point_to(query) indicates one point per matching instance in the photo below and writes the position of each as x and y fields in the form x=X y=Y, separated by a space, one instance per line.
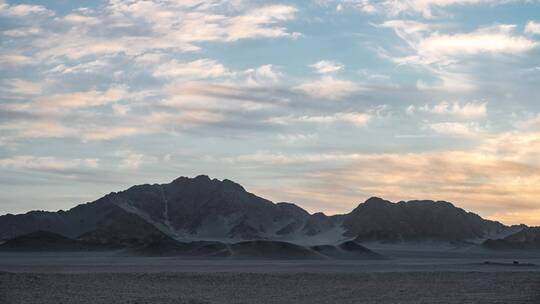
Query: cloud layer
x=322 y=103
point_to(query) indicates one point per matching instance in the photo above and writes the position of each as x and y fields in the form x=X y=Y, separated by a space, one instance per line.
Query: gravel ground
x=222 y=288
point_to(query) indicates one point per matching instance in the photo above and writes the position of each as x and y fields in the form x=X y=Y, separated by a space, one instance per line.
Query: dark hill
x=527 y=238
x=346 y=250
x=44 y=241
x=381 y=220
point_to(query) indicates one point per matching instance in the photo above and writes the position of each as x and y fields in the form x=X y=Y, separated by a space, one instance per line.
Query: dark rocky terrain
x=378 y=219
x=45 y=241
x=210 y=217
x=528 y=239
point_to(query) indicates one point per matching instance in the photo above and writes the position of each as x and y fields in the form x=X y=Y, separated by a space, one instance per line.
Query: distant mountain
x=527 y=238
x=208 y=215
x=44 y=241
x=378 y=219
x=187 y=209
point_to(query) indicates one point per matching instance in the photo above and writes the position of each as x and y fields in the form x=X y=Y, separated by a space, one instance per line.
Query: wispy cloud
x=326 y=66
x=456 y=129
x=198 y=69
x=328 y=87
x=354 y=118
x=430 y=46
x=533 y=28
x=445 y=55
x=338 y=99
x=425 y=8
x=468 y=110
x=170 y=25
x=22 y=10
x=48 y=164
x=130 y=159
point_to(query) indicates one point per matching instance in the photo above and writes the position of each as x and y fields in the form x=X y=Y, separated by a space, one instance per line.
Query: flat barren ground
x=192 y=288
x=57 y=279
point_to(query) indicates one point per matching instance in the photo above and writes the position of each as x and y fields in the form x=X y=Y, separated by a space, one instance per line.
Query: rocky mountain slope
x=378 y=219
x=526 y=238
x=202 y=209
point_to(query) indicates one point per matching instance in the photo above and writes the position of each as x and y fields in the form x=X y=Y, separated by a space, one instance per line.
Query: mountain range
x=193 y=216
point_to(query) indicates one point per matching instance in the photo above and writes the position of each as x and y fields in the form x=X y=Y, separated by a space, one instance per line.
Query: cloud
x=127 y=28
x=447 y=57
x=120 y=109
x=41 y=128
x=326 y=67
x=100 y=133
x=492 y=40
x=23 y=31
x=102 y=115
x=24 y=87
x=408 y=7
x=91 y=66
x=198 y=69
x=365 y=6
x=446 y=79
x=515 y=146
x=130 y=160
x=77 y=19
x=408 y=30
x=425 y=6
x=496 y=185
x=293 y=139
x=229 y=96
x=530 y=122
x=84 y=99
x=258 y=23
x=329 y=87
x=455 y=129
x=47 y=164
x=149 y=58
x=532 y=28
x=84 y=130
x=469 y=110
x=182 y=120
x=178 y=26
x=355 y=118
x=205 y=69
x=22 y=10
x=175 y=71
x=268 y=158
x=263 y=75
x=433 y=47
x=13 y=60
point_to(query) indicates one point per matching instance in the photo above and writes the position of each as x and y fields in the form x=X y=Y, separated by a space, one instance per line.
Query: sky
x=323 y=103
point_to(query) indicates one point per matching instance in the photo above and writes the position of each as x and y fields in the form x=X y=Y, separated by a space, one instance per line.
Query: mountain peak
x=229 y=183
x=205 y=179
x=198 y=178
x=375 y=200
x=428 y=203
x=202 y=177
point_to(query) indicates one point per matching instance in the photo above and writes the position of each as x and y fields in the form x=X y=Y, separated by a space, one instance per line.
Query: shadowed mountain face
x=377 y=219
x=44 y=241
x=196 y=209
x=527 y=238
